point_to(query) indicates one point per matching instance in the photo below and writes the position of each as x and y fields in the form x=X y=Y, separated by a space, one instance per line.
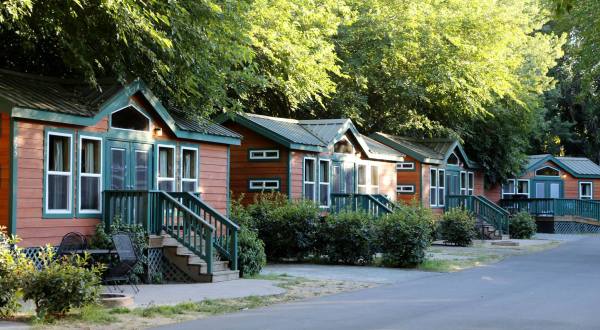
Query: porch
x=199 y=240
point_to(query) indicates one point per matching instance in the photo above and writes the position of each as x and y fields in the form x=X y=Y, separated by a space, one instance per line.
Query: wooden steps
x=188 y=262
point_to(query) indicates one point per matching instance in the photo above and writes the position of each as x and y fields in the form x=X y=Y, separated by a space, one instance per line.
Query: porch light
x=564 y=176
x=158 y=131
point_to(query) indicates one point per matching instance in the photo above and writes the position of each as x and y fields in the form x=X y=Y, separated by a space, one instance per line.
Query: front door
x=338 y=178
x=548 y=189
x=129 y=166
x=453 y=183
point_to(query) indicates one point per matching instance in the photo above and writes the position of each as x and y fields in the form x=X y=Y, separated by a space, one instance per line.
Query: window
x=166 y=168
x=270 y=184
x=453 y=159
x=405 y=189
x=522 y=187
x=130 y=118
x=463 y=183
x=189 y=169
x=343 y=147
x=264 y=154
x=406 y=166
x=437 y=187
x=585 y=190
x=374 y=180
x=471 y=184
x=324 y=182
x=362 y=179
x=90 y=174
x=310 y=179
x=59 y=172
x=508 y=188
x=547 y=171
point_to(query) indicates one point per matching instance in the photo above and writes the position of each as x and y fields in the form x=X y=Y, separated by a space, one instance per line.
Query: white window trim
x=304 y=182
x=328 y=184
x=405 y=188
x=470 y=183
x=196 y=172
x=528 y=187
x=441 y=172
x=93 y=175
x=371 y=185
x=158 y=177
x=256 y=154
x=405 y=166
x=69 y=174
x=433 y=172
x=437 y=188
x=262 y=183
x=127 y=129
x=463 y=183
x=367 y=184
x=591 y=196
x=514 y=190
x=547 y=176
x=457 y=159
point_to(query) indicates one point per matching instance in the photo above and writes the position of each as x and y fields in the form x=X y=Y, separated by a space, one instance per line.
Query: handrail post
x=106 y=212
x=208 y=237
x=234 y=249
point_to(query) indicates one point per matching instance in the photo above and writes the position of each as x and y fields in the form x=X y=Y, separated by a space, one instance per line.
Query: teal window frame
x=66 y=213
x=81 y=213
x=131 y=105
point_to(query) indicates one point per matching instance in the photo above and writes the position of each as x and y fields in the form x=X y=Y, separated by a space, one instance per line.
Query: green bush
x=139 y=236
x=14 y=266
x=62 y=284
x=346 y=237
x=404 y=236
x=522 y=226
x=457 y=227
x=251 y=252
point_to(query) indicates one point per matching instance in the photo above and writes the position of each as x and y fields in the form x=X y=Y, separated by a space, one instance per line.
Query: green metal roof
x=431 y=151
x=41 y=97
x=581 y=167
x=315 y=135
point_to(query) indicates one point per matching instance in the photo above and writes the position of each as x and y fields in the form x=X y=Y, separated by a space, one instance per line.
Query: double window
x=264 y=154
x=310 y=176
x=90 y=178
x=261 y=185
x=166 y=168
x=405 y=189
x=324 y=182
x=467 y=183
x=405 y=166
x=367 y=179
x=585 y=190
x=59 y=172
x=189 y=169
x=515 y=187
x=437 y=187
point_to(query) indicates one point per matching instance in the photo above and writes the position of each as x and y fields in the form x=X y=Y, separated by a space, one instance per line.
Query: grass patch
x=445 y=266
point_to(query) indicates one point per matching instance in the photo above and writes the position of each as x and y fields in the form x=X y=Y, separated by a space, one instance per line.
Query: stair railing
x=482 y=208
x=589 y=209
x=225 y=236
x=356 y=202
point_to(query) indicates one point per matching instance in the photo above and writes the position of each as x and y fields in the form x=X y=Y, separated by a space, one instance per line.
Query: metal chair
x=128 y=259
x=72 y=242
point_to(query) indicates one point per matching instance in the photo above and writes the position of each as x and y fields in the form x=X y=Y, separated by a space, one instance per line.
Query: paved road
x=555 y=289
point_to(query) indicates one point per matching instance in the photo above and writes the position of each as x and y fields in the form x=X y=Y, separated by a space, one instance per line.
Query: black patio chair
x=71 y=243
x=122 y=270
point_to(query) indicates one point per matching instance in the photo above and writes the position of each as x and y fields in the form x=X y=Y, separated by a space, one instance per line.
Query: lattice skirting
x=570 y=227
x=159 y=268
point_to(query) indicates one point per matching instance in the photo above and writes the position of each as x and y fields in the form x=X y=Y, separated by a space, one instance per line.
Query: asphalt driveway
x=555 y=289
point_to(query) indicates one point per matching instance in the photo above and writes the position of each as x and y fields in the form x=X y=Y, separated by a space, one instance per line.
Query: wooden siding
x=36 y=230
x=296 y=165
x=5 y=145
x=410 y=177
x=243 y=169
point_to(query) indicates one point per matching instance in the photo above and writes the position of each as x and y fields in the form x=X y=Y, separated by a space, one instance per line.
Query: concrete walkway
x=171 y=294
x=552 y=290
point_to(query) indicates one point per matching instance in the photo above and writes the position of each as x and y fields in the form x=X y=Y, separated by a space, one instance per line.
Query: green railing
x=554 y=207
x=156 y=211
x=482 y=208
x=225 y=238
x=385 y=201
x=356 y=202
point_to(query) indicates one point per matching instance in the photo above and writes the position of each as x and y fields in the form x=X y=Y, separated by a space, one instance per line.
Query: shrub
x=522 y=226
x=62 y=284
x=251 y=252
x=14 y=265
x=458 y=227
x=139 y=236
x=346 y=237
x=404 y=236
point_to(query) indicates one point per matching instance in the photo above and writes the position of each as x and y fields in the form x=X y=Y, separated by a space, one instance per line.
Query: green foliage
x=522 y=226
x=14 y=266
x=62 y=284
x=346 y=237
x=404 y=236
x=458 y=227
x=252 y=257
x=139 y=236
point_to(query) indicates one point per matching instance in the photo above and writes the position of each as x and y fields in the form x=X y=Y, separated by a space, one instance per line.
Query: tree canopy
x=473 y=69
